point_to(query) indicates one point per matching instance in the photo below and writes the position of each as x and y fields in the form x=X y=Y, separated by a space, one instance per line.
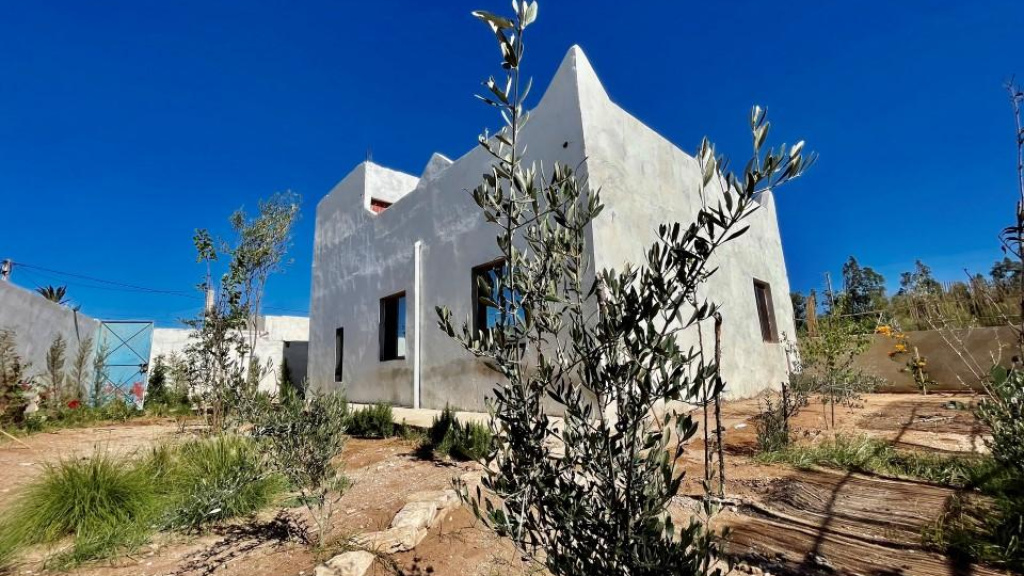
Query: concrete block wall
x=36 y=323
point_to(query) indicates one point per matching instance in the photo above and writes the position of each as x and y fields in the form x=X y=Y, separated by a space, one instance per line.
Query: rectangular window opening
x=486 y=284
x=339 y=353
x=765 y=311
x=392 y=327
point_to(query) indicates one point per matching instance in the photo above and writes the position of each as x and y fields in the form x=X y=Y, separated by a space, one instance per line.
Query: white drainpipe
x=418 y=291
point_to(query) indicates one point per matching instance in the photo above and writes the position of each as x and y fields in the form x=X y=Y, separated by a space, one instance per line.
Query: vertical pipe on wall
x=418 y=292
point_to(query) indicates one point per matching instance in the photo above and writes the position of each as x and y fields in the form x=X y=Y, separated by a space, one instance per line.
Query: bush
x=441 y=425
x=772 y=425
x=1003 y=412
x=215 y=479
x=376 y=421
x=448 y=436
x=302 y=441
x=102 y=504
x=12 y=379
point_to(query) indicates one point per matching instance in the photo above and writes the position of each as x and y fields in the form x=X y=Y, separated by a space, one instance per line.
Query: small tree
x=12 y=380
x=828 y=362
x=223 y=370
x=78 y=378
x=156 y=389
x=56 y=366
x=592 y=496
x=100 y=375
x=302 y=440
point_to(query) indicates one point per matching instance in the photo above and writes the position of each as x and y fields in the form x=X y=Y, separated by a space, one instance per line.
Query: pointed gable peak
x=575 y=76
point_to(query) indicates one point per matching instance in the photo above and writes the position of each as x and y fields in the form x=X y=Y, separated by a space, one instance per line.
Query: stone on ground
x=354 y=563
x=392 y=540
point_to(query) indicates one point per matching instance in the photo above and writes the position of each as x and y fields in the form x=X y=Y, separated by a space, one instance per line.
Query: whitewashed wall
x=270 y=345
x=361 y=257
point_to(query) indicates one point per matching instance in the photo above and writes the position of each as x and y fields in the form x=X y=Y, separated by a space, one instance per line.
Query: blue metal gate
x=126 y=344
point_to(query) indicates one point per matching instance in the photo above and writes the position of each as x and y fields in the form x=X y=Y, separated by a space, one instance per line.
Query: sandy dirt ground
x=783 y=520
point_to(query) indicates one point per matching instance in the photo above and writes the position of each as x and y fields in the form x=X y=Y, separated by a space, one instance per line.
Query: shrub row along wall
x=944 y=366
x=36 y=322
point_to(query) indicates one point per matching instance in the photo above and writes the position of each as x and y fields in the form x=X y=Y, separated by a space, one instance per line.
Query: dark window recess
x=379 y=206
x=392 y=327
x=765 y=311
x=339 y=353
x=486 y=285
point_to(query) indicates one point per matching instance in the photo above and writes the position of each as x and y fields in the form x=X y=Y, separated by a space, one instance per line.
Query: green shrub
x=988 y=530
x=772 y=426
x=448 y=436
x=302 y=440
x=375 y=421
x=103 y=504
x=871 y=455
x=472 y=441
x=992 y=530
x=215 y=479
x=1003 y=412
x=441 y=425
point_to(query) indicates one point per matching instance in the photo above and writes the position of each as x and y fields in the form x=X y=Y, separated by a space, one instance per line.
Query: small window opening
x=379 y=206
x=392 y=327
x=339 y=353
x=765 y=311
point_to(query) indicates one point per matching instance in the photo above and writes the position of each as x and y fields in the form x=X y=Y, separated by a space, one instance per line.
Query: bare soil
x=783 y=520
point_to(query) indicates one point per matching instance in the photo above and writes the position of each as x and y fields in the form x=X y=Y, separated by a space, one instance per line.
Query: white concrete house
x=389 y=247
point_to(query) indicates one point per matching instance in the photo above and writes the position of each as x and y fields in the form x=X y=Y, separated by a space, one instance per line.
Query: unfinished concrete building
x=390 y=246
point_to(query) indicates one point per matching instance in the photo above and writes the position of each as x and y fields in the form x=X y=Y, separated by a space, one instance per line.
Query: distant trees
x=920 y=300
x=864 y=289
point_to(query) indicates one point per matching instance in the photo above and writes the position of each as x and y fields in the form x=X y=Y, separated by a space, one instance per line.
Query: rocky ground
x=781 y=520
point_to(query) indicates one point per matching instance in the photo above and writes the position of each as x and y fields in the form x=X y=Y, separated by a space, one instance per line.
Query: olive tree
x=599 y=347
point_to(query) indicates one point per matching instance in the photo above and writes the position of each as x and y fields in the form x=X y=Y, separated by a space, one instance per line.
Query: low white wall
x=270 y=345
x=36 y=323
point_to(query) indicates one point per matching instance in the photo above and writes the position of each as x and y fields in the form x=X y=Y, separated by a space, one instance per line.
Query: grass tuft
x=215 y=479
x=106 y=505
x=874 y=456
x=102 y=504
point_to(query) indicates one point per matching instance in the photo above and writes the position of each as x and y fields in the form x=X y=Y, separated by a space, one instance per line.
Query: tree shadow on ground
x=237 y=540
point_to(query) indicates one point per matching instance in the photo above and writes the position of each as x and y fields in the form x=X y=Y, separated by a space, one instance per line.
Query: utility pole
x=831 y=294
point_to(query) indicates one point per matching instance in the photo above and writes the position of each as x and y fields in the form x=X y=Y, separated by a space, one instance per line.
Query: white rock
x=416 y=515
x=393 y=539
x=445 y=499
x=354 y=563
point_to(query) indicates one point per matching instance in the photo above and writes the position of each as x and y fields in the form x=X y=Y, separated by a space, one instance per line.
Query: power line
x=109 y=282
x=115 y=285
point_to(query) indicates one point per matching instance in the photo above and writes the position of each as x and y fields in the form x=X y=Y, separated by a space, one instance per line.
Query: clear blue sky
x=125 y=124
